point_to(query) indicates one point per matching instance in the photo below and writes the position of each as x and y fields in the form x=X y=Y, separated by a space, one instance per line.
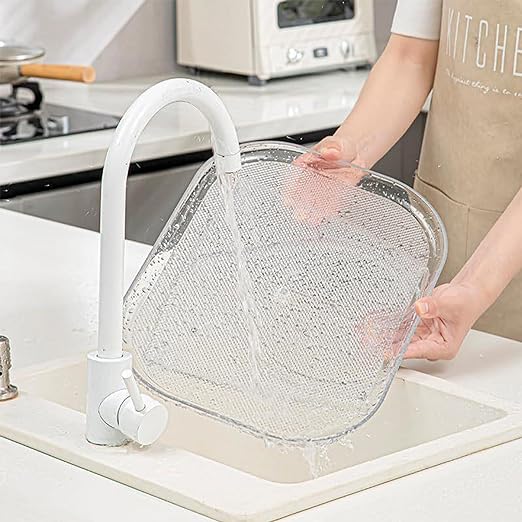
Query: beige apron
x=471 y=162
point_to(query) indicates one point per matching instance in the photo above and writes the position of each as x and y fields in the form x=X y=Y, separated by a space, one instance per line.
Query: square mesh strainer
x=335 y=260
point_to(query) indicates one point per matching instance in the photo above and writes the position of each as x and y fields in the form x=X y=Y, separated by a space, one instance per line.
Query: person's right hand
x=446 y=318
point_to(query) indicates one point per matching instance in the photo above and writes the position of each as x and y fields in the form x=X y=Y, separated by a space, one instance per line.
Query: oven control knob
x=346 y=48
x=294 y=55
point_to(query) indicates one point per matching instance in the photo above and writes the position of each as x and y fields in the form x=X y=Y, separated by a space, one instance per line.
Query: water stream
x=315 y=455
x=227 y=183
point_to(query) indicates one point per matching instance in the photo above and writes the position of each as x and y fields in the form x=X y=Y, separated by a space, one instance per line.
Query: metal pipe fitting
x=7 y=390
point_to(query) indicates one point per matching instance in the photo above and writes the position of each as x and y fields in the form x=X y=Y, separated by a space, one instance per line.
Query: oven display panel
x=294 y=13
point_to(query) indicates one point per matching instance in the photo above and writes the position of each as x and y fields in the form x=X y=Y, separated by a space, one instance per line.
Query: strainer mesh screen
x=334 y=270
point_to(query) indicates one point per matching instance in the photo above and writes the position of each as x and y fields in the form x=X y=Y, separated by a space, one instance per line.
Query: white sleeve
x=418 y=18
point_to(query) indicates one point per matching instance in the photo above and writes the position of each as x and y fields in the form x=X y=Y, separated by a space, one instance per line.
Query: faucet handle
x=132 y=388
x=139 y=417
x=145 y=426
x=7 y=390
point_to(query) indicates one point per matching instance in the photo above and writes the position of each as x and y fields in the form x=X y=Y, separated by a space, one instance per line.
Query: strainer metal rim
x=429 y=285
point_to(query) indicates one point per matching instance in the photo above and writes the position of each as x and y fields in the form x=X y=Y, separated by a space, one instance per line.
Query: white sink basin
x=216 y=470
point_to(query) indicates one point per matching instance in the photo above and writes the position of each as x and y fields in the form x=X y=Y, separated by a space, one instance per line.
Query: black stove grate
x=23 y=119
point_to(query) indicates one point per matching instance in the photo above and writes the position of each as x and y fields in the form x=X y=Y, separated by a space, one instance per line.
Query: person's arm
x=391 y=99
x=498 y=259
x=449 y=314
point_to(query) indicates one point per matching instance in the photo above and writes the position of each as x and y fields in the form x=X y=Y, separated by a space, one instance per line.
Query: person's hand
x=317 y=190
x=334 y=149
x=446 y=318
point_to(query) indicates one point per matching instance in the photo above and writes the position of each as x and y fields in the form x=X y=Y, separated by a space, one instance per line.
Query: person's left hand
x=446 y=318
x=318 y=187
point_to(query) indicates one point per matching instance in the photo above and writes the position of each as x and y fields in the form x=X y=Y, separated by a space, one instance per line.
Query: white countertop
x=49 y=274
x=282 y=107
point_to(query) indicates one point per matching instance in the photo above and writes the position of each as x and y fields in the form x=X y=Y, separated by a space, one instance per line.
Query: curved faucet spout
x=114 y=180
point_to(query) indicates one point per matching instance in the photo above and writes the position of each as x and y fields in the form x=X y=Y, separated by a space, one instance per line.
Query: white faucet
x=116 y=410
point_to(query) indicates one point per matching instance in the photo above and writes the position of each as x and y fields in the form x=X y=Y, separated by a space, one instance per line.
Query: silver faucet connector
x=7 y=390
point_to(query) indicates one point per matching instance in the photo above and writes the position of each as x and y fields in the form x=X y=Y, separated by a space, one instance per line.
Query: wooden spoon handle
x=73 y=73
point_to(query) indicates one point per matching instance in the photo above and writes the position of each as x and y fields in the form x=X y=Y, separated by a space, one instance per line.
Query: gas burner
x=11 y=108
x=17 y=104
x=25 y=119
x=23 y=127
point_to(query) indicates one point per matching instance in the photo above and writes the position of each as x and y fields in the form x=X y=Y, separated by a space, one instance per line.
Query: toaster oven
x=264 y=39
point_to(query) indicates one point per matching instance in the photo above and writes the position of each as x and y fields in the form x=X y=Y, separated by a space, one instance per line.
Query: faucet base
x=104 y=379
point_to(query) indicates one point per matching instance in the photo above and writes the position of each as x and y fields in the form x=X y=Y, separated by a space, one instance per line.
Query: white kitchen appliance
x=265 y=39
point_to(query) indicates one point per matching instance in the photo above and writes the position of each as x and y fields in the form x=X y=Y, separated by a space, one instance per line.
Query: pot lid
x=11 y=53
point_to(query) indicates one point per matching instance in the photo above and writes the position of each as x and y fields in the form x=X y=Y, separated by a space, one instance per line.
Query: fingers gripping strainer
x=335 y=260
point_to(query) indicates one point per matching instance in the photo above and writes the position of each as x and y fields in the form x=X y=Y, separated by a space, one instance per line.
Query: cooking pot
x=16 y=64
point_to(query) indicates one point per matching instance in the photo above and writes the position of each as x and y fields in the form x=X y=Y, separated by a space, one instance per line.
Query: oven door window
x=294 y=13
